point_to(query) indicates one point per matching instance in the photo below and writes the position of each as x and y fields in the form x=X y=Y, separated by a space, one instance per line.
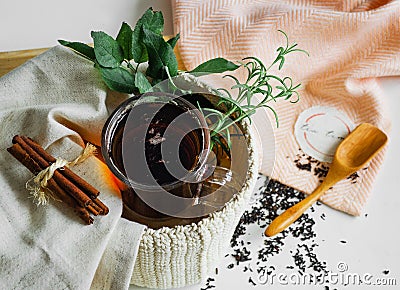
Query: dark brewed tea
x=136 y=149
x=138 y=140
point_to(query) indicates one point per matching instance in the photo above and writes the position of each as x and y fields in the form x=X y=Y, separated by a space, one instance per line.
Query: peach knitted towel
x=351 y=43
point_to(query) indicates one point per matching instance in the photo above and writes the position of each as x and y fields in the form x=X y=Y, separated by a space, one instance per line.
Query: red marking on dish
x=315 y=115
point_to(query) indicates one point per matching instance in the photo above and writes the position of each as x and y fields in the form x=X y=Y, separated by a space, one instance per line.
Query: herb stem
x=171 y=81
x=258 y=82
x=130 y=66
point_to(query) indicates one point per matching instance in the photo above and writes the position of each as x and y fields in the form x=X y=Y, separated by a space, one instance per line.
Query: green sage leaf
x=153 y=21
x=215 y=65
x=81 y=48
x=142 y=83
x=161 y=55
x=172 y=41
x=118 y=79
x=125 y=40
x=107 y=50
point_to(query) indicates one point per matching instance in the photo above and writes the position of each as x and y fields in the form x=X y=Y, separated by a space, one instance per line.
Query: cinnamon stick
x=22 y=156
x=68 y=186
x=68 y=173
x=82 y=212
x=102 y=206
x=84 y=215
x=94 y=209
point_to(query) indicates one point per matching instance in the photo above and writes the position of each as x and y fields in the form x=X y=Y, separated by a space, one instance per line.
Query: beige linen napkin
x=350 y=43
x=58 y=99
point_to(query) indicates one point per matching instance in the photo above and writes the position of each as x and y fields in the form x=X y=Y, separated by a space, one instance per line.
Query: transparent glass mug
x=214 y=191
x=129 y=136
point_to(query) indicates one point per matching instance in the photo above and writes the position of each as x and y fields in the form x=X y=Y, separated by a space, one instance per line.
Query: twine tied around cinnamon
x=37 y=184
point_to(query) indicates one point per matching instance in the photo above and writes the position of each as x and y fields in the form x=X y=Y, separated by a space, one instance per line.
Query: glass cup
x=132 y=140
x=157 y=145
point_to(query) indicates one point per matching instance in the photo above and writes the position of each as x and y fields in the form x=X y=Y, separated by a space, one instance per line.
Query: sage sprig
x=118 y=60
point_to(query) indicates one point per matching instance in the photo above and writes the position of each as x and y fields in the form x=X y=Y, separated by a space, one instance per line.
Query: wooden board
x=12 y=59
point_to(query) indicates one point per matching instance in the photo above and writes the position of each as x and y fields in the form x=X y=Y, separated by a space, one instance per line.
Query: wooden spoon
x=359 y=147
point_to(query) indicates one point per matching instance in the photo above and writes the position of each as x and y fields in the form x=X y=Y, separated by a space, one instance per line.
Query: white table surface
x=373 y=242
x=39 y=23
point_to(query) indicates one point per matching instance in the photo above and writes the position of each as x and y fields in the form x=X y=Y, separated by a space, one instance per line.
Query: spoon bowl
x=357 y=149
x=360 y=146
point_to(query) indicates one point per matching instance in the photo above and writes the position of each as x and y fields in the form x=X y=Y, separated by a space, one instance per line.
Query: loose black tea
x=270 y=200
x=320 y=169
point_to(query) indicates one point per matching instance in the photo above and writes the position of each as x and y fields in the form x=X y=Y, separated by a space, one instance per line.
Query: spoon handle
x=288 y=217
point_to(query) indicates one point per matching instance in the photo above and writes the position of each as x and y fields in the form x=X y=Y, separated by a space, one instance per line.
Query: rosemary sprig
x=257 y=82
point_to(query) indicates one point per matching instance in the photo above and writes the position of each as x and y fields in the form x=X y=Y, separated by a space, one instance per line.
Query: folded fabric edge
x=116 y=265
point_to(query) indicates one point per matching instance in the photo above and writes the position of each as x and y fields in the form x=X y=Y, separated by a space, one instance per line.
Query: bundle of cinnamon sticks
x=65 y=185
